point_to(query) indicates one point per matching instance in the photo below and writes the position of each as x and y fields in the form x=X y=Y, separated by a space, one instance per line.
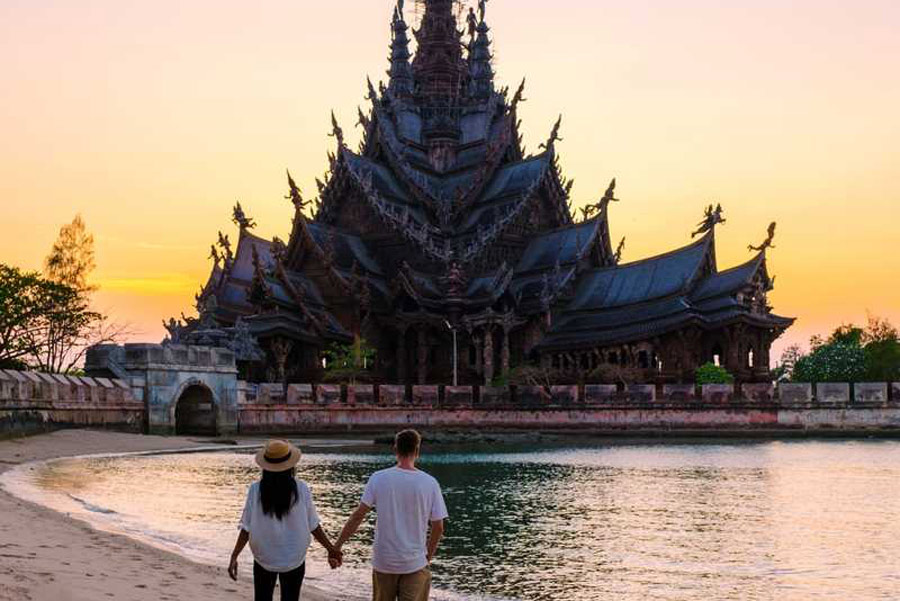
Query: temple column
x=401 y=356
x=504 y=353
x=488 y=356
x=479 y=354
x=422 y=355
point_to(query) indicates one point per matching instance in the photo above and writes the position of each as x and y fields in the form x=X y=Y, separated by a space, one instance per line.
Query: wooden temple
x=440 y=224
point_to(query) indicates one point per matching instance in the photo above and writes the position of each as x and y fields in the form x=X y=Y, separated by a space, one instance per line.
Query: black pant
x=264 y=583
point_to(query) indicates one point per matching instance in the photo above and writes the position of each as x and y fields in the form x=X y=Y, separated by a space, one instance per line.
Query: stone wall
x=35 y=402
x=307 y=408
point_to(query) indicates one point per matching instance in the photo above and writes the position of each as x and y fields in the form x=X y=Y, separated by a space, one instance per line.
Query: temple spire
x=401 y=76
x=481 y=74
x=438 y=67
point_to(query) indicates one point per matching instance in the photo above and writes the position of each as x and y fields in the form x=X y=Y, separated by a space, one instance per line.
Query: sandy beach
x=46 y=556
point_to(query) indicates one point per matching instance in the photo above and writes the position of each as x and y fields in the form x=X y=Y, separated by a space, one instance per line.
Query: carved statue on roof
x=175 y=329
x=455 y=280
x=214 y=255
x=225 y=245
x=554 y=136
x=295 y=196
x=767 y=243
x=244 y=344
x=518 y=97
x=712 y=216
x=472 y=22
x=336 y=131
x=602 y=205
x=618 y=256
x=240 y=218
x=364 y=120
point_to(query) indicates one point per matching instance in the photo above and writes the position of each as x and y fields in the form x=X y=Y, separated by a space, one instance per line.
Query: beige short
x=405 y=587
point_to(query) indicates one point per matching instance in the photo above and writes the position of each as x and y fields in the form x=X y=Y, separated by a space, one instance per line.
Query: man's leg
x=291 y=583
x=384 y=586
x=263 y=583
x=415 y=586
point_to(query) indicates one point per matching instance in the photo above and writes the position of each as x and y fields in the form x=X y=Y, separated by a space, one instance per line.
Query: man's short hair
x=407 y=443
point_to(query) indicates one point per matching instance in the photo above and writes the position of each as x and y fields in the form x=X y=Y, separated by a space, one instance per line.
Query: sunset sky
x=151 y=118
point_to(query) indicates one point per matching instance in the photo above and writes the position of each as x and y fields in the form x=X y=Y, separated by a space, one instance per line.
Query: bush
x=832 y=362
x=711 y=373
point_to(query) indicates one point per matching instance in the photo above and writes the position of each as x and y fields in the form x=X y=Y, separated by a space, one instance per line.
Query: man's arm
x=437 y=532
x=352 y=525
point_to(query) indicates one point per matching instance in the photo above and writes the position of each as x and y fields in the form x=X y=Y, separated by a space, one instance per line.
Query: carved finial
x=373 y=95
x=712 y=216
x=363 y=119
x=336 y=131
x=767 y=243
x=602 y=206
x=472 y=22
x=618 y=256
x=554 y=136
x=240 y=218
x=295 y=196
x=518 y=97
x=225 y=245
x=214 y=255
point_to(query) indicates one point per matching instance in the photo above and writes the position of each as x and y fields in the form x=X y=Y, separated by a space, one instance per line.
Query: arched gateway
x=195 y=411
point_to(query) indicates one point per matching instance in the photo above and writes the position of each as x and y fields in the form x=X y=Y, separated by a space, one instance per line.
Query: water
x=757 y=521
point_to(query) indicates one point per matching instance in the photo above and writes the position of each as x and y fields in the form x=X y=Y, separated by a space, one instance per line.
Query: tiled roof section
x=641 y=281
x=564 y=245
x=515 y=178
x=348 y=249
x=728 y=281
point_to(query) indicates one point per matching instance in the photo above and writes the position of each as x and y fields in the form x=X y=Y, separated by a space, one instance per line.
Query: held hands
x=335 y=558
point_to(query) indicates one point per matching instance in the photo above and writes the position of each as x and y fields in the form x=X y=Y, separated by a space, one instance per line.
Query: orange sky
x=152 y=118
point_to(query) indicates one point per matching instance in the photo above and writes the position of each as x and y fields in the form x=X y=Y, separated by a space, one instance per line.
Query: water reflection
x=810 y=520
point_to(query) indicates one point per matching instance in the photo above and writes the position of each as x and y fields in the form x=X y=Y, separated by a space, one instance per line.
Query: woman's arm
x=239 y=545
x=335 y=557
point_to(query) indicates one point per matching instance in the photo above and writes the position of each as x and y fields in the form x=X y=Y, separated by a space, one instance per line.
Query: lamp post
x=455 y=353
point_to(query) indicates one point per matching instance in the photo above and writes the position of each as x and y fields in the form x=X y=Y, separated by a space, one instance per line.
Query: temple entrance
x=195 y=412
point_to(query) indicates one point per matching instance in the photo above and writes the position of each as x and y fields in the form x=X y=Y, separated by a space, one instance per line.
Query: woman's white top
x=280 y=545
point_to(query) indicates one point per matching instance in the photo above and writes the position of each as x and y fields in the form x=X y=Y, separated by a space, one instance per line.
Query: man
x=406 y=501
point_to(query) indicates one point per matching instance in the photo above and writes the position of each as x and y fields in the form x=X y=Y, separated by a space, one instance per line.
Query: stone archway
x=195 y=411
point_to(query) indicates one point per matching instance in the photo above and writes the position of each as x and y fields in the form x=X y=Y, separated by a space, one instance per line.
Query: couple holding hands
x=280 y=521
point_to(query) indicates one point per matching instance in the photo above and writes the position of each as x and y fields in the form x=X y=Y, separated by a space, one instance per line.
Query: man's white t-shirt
x=405 y=501
x=280 y=545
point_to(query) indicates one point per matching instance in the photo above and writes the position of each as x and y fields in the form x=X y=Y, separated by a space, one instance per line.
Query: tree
x=26 y=301
x=882 y=348
x=71 y=260
x=785 y=370
x=832 y=362
x=710 y=373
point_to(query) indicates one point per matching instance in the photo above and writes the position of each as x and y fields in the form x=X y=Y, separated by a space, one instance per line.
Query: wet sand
x=46 y=556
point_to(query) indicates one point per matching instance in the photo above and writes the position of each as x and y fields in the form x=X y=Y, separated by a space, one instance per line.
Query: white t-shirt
x=405 y=501
x=280 y=545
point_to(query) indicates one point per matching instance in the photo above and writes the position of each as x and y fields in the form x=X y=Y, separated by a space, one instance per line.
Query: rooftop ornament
x=767 y=243
x=240 y=218
x=711 y=218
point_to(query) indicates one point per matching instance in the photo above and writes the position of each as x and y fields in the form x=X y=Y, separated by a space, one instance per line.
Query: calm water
x=762 y=521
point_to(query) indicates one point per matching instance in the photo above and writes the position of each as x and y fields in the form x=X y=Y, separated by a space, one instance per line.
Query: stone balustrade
x=593 y=395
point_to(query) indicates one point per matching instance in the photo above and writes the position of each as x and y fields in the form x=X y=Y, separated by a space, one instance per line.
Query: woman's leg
x=263 y=583
x=291 y=583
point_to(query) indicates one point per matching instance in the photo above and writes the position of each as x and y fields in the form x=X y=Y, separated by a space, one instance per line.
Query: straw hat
x=278 y=456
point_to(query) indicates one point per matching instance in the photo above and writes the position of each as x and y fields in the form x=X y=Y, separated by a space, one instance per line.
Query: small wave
x=90 y=506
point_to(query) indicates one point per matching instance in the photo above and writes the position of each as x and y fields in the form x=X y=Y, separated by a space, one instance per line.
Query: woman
x=279 y=516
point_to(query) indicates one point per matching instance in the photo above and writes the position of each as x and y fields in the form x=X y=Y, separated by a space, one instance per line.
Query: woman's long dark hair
x=278 y=492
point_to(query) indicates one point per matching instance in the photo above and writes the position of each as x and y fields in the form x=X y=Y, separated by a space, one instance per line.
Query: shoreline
x=46 y=555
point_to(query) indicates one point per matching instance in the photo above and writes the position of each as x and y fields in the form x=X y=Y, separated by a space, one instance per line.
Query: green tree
x=34 y=313
x=785 y=370
x=832 y=362
x=882 y=349
x=710 y=373
x=71 y=260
